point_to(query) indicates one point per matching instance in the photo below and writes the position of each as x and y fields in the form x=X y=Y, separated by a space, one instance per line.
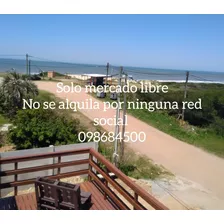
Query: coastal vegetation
x=203 y=128
x=135 y=165
x=33 y=127
x=208 y=121
x=40 y=128
x=14 y=89
x=3 y=120
x=212 y=113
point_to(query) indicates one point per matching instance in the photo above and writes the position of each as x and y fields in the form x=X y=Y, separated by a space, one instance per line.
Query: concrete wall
x=41 y=162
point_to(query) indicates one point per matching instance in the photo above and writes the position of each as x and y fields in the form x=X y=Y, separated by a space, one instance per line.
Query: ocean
x=137 y=73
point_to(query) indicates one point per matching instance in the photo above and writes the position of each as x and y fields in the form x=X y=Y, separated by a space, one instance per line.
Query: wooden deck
x=28 y=201
x=98 y=172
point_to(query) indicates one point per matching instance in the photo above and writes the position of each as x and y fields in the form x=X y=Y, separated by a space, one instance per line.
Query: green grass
x=203 y=138
x=133 y=165
x=45 y=96
x=200 y=137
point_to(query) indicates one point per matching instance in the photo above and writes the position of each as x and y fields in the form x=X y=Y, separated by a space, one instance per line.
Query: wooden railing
x=138 y=191
x=111 y=187
x=15 y=172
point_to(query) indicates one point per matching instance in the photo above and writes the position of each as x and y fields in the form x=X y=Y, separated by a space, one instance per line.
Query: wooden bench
x=55 y=195
x=71 y=197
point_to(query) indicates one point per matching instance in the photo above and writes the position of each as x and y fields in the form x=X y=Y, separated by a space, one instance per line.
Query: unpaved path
x=179 y=157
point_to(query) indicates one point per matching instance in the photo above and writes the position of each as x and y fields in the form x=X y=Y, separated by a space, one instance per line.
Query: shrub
x=212 y=113
x=33 y=77
x=218 y=126
x=41 y=128
x=14 y=89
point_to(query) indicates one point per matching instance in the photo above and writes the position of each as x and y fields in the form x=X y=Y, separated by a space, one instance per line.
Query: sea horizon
x=137 y=73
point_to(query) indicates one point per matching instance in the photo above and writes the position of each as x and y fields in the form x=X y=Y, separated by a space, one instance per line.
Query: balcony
x=111 y=189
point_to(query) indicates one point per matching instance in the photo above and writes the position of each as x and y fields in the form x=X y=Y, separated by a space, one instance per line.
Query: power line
x=167 y=74
x=12 y=63
x=59 y=62
x=150 y=73
x=56 y=66
x=202 y=79
x=116 y=68
x=15 y=55
x=69 y=63
x=40 y=66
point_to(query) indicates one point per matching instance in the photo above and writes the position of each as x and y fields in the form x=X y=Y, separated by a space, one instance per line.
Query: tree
x=14 y=89
x=35 y=128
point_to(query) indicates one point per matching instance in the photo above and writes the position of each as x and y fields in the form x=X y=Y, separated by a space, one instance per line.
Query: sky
x=193 y=42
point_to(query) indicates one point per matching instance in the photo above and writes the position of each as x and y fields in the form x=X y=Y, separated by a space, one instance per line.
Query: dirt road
x=179 y=157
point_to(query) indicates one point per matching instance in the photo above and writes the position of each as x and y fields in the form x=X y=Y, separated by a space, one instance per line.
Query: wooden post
x=90 y=167
x=27 y=64
x=59 y=168
x=16 y=179
x=136 y=198
x=124 y=117
x=107 y=72
x=0 y=180
x=115 y=154
x=106 y=184
x=29 y=67
x=185 y=93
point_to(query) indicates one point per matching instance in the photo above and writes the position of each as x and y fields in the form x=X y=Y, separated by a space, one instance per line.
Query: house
x=51 y=74
x=98 y=79
x=92 y=79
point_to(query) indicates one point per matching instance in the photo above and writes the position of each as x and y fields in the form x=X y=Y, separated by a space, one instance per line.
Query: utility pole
x=107 y=71
x=124 y=116
x=27 y=64
x=185 y=93
x=115 y=154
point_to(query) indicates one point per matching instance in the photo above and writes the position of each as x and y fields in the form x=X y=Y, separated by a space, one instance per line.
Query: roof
x=96 y=75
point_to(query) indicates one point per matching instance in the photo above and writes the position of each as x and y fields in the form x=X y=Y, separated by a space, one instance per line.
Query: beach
x=136 y=73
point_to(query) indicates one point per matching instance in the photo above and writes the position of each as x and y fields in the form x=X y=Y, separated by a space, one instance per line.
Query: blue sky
x=194 y=42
